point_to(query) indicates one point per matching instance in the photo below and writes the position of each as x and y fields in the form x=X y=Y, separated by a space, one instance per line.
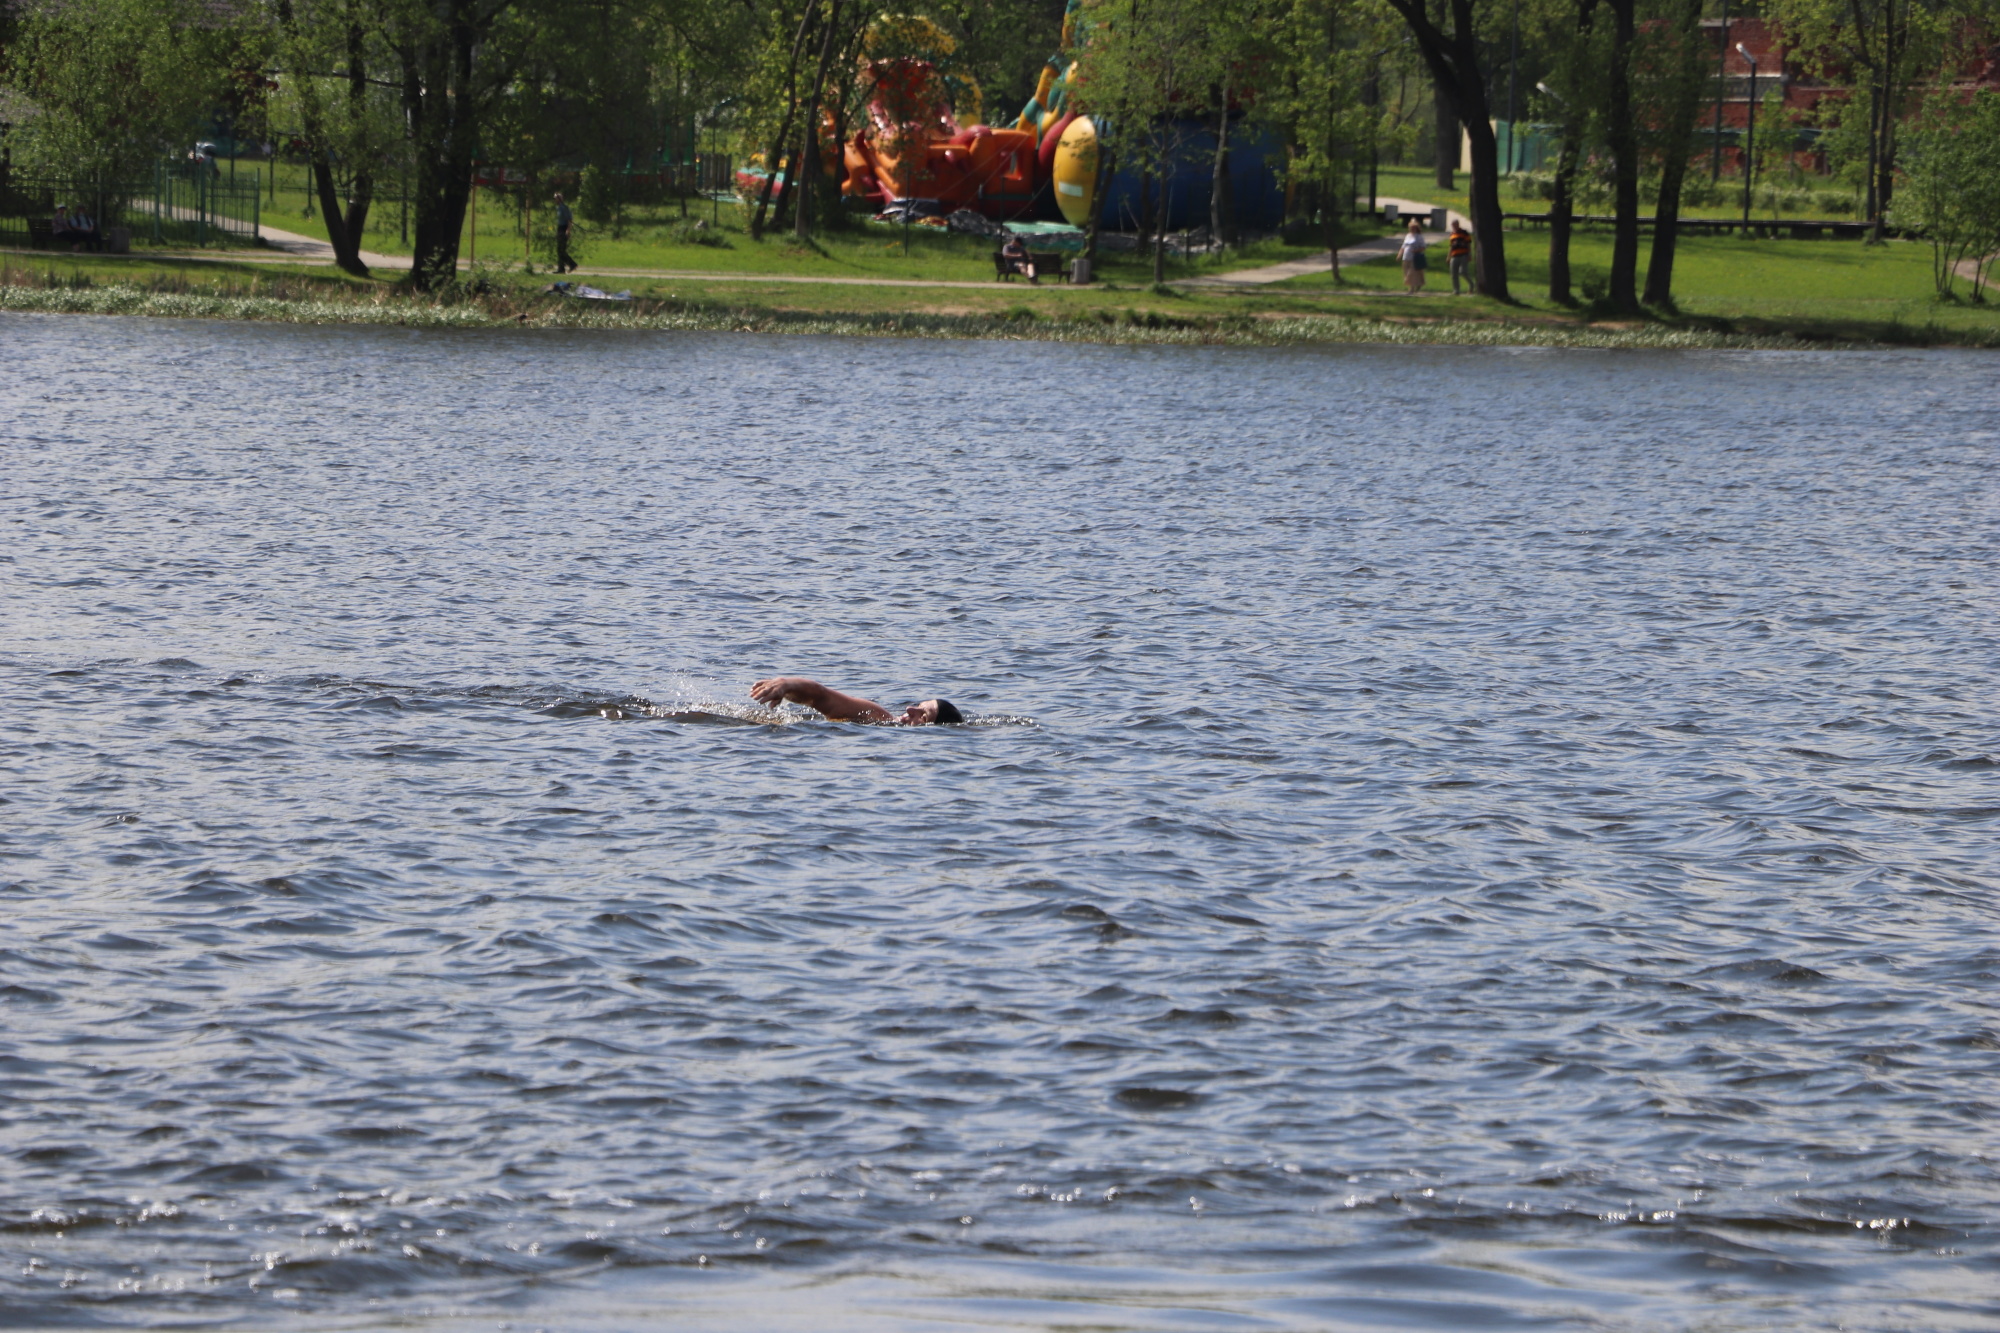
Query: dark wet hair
x=948 y=714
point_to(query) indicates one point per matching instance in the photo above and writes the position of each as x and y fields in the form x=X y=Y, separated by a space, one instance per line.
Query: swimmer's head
x=932 y=713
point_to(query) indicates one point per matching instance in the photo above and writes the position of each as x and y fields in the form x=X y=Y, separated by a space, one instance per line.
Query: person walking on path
x=1459 y=248
x=1411 y=252
x=563 y=220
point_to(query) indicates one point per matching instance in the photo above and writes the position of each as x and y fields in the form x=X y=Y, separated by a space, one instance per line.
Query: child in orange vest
x=1460 y=253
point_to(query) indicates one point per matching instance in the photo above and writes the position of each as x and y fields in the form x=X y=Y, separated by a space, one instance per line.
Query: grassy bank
x=1304 y=310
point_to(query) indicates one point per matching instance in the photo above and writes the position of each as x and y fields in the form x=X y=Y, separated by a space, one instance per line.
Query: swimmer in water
x=849 y=708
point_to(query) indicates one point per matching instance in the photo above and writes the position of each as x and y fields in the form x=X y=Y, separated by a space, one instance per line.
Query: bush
x=600 y=198
x=692 y=231
x=1535 y=184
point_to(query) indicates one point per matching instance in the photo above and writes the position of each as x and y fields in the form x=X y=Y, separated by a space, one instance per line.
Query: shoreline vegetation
x=1808 y=308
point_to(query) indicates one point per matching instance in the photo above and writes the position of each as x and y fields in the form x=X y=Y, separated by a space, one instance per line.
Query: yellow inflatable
x=1075 y=171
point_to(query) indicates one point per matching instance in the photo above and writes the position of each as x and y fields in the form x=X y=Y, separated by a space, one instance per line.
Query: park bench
x=41 y=234
x=1048 y=264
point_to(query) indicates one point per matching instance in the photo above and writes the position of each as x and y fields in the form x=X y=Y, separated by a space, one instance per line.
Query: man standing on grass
x=1460 y=254
x=563 y=220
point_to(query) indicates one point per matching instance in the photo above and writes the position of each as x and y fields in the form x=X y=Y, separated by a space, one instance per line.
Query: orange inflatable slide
x=914 y=148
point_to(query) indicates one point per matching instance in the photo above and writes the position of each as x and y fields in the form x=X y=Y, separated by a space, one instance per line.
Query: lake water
x=1450 y=838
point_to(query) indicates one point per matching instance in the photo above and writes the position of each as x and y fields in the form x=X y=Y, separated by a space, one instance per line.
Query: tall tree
x=1147 y=60
x=1573 y=42
x=788 y=104
x=1453 y=54
x=322 y=57
x=1881 y=49
x=810 y=171
x=1621 y=133
x=1676 y=61
x=1325 y=49
x=455 y=65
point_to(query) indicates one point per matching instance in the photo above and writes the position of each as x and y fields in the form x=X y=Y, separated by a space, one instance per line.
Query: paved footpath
x=297 y=249
x=1382 y=248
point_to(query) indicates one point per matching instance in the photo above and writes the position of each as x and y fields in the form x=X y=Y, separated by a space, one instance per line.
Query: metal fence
x=183 y=205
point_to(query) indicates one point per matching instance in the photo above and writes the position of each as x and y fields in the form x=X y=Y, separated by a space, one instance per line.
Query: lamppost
x=1750 y=143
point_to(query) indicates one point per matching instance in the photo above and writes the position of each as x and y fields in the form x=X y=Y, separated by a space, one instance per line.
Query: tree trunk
x=442 y=111
x=1885 y=156
x=1371 y=98
x=785 y=126
x=1145 y=202
x=1446 y=126
x=1621 y=130
x=1870 y=208
x=810 y=171
x=1454 y=64
x=1330 y=214
x=1489 y=254
x=1560 y=209
x=1102 y=177
x=1677 y=145
x=346 y=249
x=361 y=189
x=1218 y=209
x=1666 y=230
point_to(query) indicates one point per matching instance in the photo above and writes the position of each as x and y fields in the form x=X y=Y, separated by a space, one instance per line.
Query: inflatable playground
x=912 y=157
x=912 y=146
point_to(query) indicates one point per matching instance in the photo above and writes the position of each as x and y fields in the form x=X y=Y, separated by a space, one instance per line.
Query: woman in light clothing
x=1411 y=252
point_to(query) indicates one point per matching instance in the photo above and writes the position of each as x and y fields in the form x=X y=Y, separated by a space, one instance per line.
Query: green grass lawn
x=1420 y=183
x=1820 y=284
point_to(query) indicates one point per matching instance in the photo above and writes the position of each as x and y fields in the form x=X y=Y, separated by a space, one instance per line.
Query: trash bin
x=1079 y=269
x=1437 y=220
x=1390 y=214
x=118 y=241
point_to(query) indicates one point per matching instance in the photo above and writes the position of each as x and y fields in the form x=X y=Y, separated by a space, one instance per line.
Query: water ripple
x=1449 y=837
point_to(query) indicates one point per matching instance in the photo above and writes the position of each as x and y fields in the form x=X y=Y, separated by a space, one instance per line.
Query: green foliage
x=1951 y=190
x=113 y=86
x=1327 y=48
x=600 y=200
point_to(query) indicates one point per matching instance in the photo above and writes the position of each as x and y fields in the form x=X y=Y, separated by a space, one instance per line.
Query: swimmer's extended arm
x=835 y=705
